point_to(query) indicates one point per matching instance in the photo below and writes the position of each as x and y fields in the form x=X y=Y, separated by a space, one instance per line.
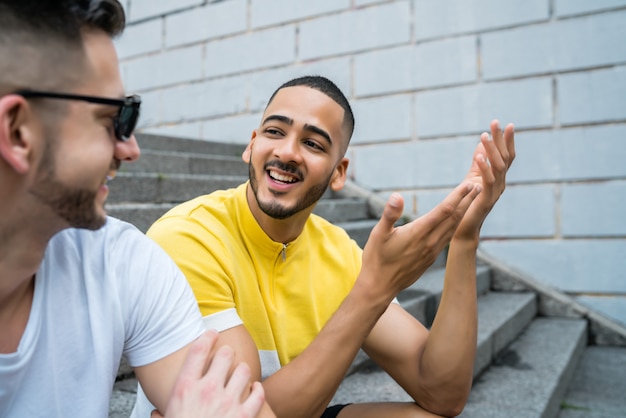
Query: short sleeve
x=161 y=314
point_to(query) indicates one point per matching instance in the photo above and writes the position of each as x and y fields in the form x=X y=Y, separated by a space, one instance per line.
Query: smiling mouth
x=282 y=178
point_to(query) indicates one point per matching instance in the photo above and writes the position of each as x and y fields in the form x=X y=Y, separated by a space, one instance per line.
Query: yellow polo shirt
x=282 y=294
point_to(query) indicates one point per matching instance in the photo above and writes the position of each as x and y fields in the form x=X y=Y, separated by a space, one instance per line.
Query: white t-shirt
x=99 y=295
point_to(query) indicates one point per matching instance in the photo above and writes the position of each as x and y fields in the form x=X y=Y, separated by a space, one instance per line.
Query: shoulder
x=115 y=232
x=204 y=212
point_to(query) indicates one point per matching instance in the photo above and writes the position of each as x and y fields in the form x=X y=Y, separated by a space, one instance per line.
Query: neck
x=23 y=242
x=279 y=230
x=20 y=259
x=24 y=238
x=14 y=314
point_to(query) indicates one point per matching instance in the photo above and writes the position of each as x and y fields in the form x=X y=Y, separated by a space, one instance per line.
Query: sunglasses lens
x=126 y=121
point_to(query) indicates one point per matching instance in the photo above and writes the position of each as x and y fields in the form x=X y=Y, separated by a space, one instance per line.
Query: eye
x=273 y=132
x=109 y=122
x=313 y=145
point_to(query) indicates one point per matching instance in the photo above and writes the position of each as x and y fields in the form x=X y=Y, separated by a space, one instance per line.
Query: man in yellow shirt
x=297 y=297
x=80 y=290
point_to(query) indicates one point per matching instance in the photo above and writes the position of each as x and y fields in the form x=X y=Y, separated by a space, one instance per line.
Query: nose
x=127 y=150
x=288 y=150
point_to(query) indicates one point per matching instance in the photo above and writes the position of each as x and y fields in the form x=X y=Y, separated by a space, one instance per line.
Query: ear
x=338 y=178
x=245 y=156
x=15 y=132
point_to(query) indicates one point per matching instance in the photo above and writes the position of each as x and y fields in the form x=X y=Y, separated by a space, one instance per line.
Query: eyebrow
x=307 y=127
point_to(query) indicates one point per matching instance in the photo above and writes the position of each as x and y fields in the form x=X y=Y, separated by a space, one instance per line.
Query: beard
x=74 y=205
x=275 y=209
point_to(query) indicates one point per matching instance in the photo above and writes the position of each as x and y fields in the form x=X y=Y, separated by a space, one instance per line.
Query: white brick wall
x=144 y=9
x=435 y=19
x=250 y=51
x=467 y=109
x=353 y=31
x=202 y=24
x=426 y=65
x=425 y=78
x=273 y=12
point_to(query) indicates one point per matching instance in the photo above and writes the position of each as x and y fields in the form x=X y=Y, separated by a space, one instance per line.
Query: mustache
x=288 y=168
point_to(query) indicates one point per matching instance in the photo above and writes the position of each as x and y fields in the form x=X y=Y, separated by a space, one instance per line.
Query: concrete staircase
x=540 y=354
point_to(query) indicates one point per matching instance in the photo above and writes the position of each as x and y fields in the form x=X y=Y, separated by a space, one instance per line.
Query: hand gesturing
x=492 y=159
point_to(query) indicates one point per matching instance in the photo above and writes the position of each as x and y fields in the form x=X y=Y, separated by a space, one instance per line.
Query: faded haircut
x=330 y=89
x=41 y=40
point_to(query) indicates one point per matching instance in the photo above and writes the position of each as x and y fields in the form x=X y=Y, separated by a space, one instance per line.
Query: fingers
x=196 y=360
x=253 y=404
x=450 y=210
x=492 y=149
x=213 y=394
x=448 y=226
x=504 y=143
x=509 y=139
x=497 y=138
x=392 y=212
x=239 y=380
x=487 y=175
x=220 y=365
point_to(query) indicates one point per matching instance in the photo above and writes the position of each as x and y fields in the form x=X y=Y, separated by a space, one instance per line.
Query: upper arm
x=396 y=344
x=245 y=349
x=157 y=379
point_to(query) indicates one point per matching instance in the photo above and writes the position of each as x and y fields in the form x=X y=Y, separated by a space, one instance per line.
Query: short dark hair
x=41 y=40
x=327 y=87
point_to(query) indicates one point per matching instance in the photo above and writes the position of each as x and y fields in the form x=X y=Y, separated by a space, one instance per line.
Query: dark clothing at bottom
x=333 y=411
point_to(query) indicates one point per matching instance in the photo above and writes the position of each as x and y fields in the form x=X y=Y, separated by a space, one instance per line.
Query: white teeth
x=109 y=177
x=280 y=177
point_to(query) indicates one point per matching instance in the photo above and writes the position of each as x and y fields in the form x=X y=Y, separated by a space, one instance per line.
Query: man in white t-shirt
x=79 y=290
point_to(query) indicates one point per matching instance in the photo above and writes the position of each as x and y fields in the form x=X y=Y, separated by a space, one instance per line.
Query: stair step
x=501 y=318
x=358 y=230
x=167 y=143
x=143 y=215
x=342 y=210
x=529 y=379
x=528 y=383
x=421 y=299
x=598 y=389
x=369 y=384
x=157 y=188
x=166 y=162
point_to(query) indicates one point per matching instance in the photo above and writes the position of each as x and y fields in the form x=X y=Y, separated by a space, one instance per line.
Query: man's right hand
x=210 y=393
x=395 y=257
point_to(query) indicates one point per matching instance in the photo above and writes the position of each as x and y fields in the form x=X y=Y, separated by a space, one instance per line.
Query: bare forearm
x=447 y=363
x=306 y=385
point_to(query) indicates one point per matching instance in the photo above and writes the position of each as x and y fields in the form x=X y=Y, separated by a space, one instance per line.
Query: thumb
x=392 y=212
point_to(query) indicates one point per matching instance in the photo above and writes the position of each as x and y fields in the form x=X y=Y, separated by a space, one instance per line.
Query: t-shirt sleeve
x=162 y=316
x=205 y=260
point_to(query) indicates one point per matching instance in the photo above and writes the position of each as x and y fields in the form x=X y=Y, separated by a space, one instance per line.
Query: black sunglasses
x=125 y=120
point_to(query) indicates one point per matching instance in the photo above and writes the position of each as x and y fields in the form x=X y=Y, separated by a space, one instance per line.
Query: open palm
x=492 y=159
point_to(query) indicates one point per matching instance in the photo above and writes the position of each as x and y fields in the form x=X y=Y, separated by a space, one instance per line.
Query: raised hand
x=491 y=161
x=395 y=257
x=212 y=394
